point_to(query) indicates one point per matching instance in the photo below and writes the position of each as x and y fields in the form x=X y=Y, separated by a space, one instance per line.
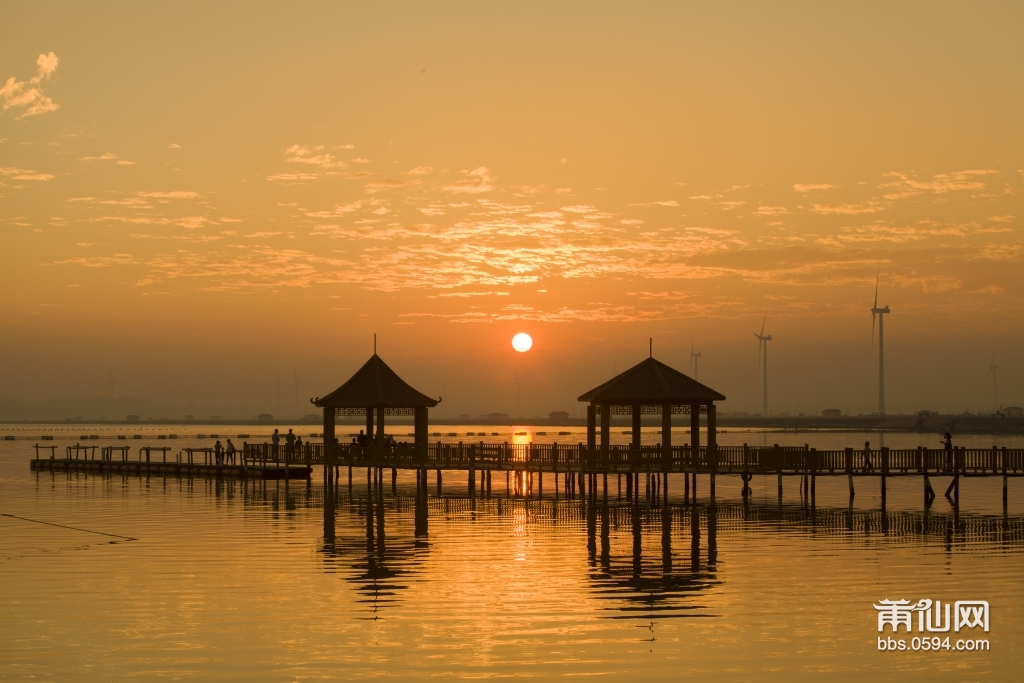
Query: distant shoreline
x=963 y=424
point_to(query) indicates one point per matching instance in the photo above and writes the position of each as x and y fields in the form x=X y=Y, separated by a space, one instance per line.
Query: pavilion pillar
x=695 y=432
x=606 y=419
x=712 y=447
x=420 y=427
x=666 y=436
x=380 y=426
x=328 y=443
x=369 y=425
x=591 y=426
x=636 y=427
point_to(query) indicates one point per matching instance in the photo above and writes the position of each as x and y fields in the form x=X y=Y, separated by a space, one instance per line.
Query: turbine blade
x=876 y=288
x=764 y=321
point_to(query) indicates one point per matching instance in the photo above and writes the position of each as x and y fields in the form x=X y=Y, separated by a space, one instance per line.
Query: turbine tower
x=762 y=341
x=995 y=387
x=693 y=359
x=880 y=312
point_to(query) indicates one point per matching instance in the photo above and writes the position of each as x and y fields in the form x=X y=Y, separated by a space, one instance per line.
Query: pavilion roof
x=651 y=382
x=375 y=385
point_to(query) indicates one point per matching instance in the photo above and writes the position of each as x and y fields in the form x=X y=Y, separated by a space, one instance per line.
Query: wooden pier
x=154 y=461
x=580 y=465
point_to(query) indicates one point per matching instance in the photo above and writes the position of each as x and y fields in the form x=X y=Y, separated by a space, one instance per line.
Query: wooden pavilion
x=376 y=389
x=648 y=388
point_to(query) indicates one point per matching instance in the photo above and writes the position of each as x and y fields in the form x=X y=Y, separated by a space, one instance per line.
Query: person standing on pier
x=275 y=444
x=947 y=445
x=218 y=453
x=361 y=439
x=230 y=452
x=289 y=443
x=867 y=457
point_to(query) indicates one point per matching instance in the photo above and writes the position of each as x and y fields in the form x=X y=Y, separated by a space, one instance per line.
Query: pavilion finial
x=375 y=343
x=650 y=341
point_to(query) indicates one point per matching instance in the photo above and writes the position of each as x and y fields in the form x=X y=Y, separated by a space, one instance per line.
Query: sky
x=217 y=206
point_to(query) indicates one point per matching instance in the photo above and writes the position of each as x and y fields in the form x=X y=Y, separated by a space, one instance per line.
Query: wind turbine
x=992 y=370
x=762 y=341
x=693 y=359
x=880 y=312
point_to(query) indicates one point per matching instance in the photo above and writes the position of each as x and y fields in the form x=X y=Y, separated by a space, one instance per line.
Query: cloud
x=99 y=261
x=15 y=173
x=943 y=182
x=175 y=194
x=848 y=209
x=29 y=96
x=174 y=145
x=477 y=181
x=771 y=210
x=808 y=187
x=387 y=184
x=1001 y=219
x=292 y=177
x=108 y=156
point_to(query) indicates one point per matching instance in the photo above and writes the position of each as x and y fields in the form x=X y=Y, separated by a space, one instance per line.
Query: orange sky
x=204 y=204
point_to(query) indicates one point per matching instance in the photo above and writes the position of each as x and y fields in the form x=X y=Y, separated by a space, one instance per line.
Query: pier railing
x=557 y=457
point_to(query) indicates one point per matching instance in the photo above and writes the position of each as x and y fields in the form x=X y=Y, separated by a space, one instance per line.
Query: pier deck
x=785 y=460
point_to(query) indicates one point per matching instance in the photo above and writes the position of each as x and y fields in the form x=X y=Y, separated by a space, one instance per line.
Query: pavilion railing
x=627 y=458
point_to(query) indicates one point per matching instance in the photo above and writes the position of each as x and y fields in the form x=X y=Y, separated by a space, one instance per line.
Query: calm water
x=111 y=578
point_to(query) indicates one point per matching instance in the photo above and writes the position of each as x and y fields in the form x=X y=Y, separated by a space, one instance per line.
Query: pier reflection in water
x=653 y=562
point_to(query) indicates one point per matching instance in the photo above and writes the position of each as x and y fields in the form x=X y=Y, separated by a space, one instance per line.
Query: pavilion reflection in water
x=650 y=562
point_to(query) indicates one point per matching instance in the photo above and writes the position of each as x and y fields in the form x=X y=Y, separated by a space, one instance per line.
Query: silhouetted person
x=298 y=446
x=867 y=457
x=275 y=444
x=218 y=453
x=230 y=452
x=361 y=439
x=947 y=445
x=289 y=443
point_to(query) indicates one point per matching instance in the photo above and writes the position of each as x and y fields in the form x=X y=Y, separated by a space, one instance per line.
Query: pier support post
x=1004 y=481
x=929 y=493
x=328 y=443
x=849 y=471
x=885 y=470
x=712 y=448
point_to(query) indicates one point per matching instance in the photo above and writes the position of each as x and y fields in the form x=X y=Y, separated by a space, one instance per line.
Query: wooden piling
x=1005 y=498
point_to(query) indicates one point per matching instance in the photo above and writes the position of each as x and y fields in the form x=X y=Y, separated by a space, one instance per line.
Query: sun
x=522 y=342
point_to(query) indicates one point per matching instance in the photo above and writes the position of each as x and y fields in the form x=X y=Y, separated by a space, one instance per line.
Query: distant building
x=497 y=417
x=928 y=413
x=265 y=417
x=831 y=412
x=132 y=418
x=1014 y=411
x=558 y=415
